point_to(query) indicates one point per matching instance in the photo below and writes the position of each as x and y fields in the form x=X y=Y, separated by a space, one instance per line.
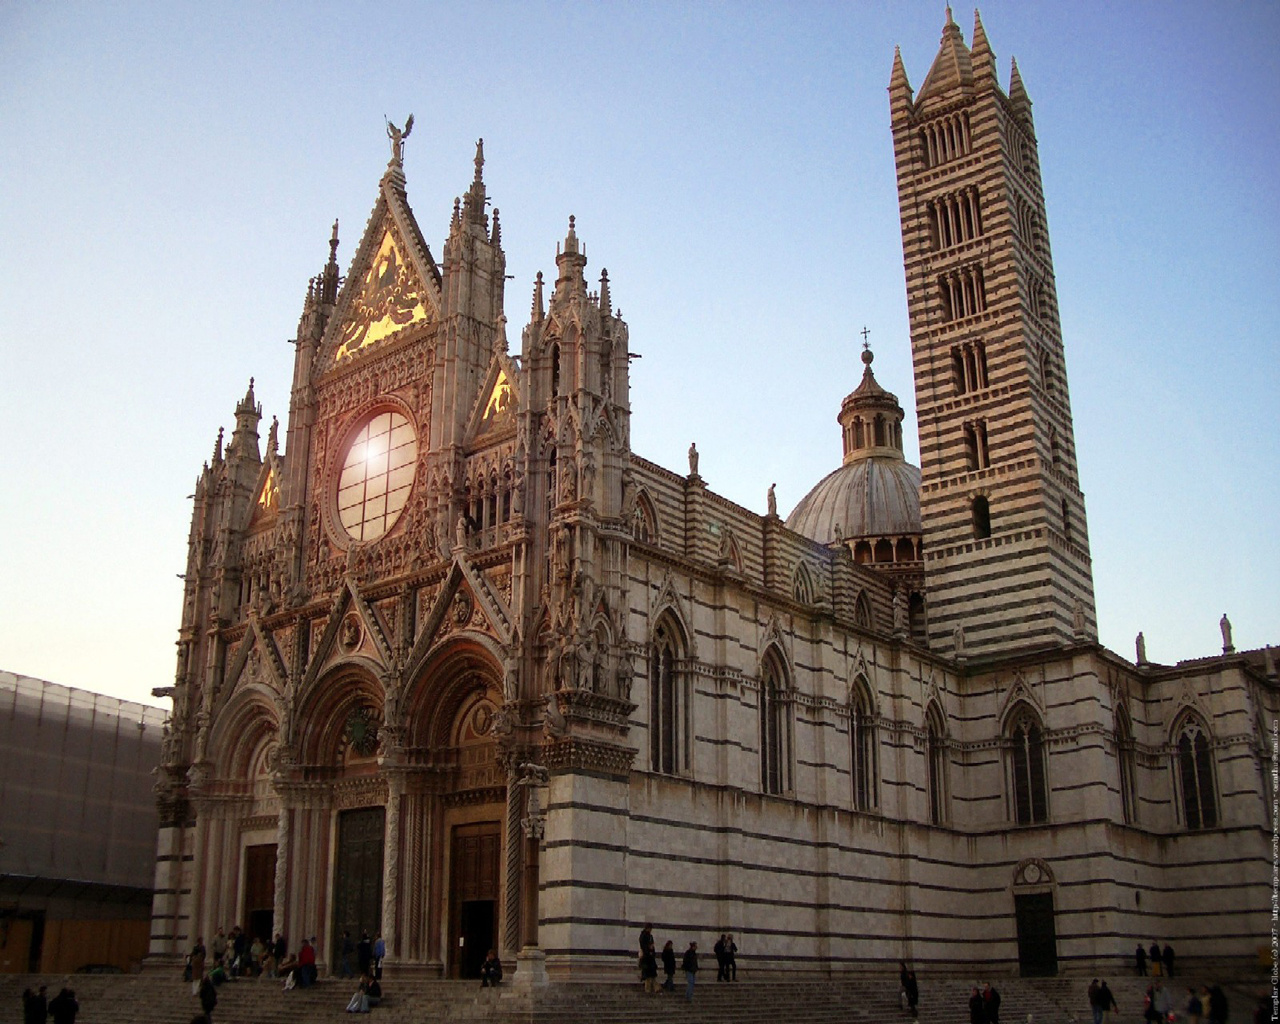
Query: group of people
x=725 y=949
x=984 y=1004
x=1160 y=960
x=1208 y=1004
x=233 y=956
x=368 y=953
x=367 y=995
x=37 y=1007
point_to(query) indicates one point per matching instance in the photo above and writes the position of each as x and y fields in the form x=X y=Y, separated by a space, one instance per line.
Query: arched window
x=981 y=517
x=862 y=746
x=666 y=707
x=862 y=611
x=936 y=764
x=802 y=585
x=555 y=370
x=774 y=767
x=1125 y=766
x=1195 y=775
x=1027 y=770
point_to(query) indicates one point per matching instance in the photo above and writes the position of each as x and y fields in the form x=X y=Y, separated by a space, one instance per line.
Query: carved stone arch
x=1189 y=716
x=773 y=639
x=1020 y=695
x=860 y=687
x=934 y=718
x=247 y=722
x=802 y=585
x=452 y=676
x=644 y=518
x=863 y=614
x=669 y=603
x=256 y=646
x=1033 y=872
x=325 y=706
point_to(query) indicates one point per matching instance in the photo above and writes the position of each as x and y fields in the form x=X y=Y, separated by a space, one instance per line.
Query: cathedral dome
x=872 y=497
x=876 y=492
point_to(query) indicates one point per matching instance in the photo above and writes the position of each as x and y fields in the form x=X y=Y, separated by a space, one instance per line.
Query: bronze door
x=1037 y=937
x=259 y=891
x=473 y=897
x=357 y=882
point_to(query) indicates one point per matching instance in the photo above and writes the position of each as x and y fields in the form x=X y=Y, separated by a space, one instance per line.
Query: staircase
x=154 y=999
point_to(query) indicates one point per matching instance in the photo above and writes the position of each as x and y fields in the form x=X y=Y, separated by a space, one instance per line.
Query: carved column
x=391 y=861
x=280 y=898
x=511 y=930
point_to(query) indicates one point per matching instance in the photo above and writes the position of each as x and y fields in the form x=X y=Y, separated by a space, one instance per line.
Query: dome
x=877 y=496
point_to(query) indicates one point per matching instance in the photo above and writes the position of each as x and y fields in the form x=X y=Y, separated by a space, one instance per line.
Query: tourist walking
x=909 y=988
x=649 y=968
x=690 y=967
x=669 y=966
x=730 y=959
x=1195 y=1008
x=1107 y=1001
x=208 y=995
x=718 y=950
x=197 y=960
x=63 y=1007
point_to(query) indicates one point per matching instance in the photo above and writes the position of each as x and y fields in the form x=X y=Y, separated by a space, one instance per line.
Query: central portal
x=357 y=882
x=473 y=896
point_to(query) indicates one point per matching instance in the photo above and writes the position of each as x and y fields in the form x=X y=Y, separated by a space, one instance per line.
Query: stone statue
x=1077 y=617
x=1141 y=643
x=460 y=532
x=899 y=612
x=957 y=639
x=397 y=138
x=773 y=500
x=1224 y=624
x=693 y=459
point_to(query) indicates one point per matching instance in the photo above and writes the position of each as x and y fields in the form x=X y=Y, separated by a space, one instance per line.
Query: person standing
x=1094 y=997
x=306 y=970
x=718 y=950
x=379 y=954
x=364 y=954
x=646 y=947
x=1167 y=956
x=1154 y=955
x=35 y=1006
x=910 y=988
x=197 y=960
x=669 y=966
x=730 y=959
x=1140 y=959
x=649 y=969
x=991 y=1004
x=1217 y=1005
x=345 y=952
x=690 y=967
x=976 y=1012
x=63 y=1007
x=1195 y=1008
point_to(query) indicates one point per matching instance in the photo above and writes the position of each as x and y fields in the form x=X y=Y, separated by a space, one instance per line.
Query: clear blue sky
x=169 y=173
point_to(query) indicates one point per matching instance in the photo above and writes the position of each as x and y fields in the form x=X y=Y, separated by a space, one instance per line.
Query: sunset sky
x=169 y=174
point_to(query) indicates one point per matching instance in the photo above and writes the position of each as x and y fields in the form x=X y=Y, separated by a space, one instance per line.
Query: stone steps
x=155 y=999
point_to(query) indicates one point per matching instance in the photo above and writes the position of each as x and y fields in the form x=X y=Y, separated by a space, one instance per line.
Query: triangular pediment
x=498 y=402
x=392 y=286
x=266 y=502
x=353 y=632
x=466 y=602
x=255 y=660
x=952 y=68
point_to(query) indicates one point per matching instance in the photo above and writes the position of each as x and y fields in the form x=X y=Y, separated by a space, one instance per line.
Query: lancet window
x=775 y=774
x=969 y=366
x=666 y=703
x=1027 y=770
x=954 y=218
x=962 y=292
x=1194 y=759
x=862 y=747
x=976 y=455
x=1123 y=737
x=936 y=764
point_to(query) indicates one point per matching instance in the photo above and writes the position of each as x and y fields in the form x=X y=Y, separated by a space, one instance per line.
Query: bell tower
x=1006 y=547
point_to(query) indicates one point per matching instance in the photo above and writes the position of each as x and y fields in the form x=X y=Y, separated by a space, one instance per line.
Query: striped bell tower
x=1006 y=547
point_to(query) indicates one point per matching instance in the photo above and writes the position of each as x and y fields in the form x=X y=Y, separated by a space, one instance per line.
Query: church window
x=1046 y=372
x=975 y=445
x=802 y=588
x=954 y=219
x=665 y=705
x=1055 y=449
x=1123 y=737
x=377 y=475
x=862 y=747
x=884 y=550
x=1195 y=775
x=1066 y=521
x=555 y=370
x=862 y=607
x=936 y=765
x=962 y=293
x=774 y=773
x=981 y=517
x=862 y=552
x=945 y=138
x=1027 y=771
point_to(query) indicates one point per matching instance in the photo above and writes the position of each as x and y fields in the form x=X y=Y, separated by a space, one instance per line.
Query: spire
x=456 y=222
x=329 y=280
x=606 y=303
x=952 y=67
x=273 y=437
x=1018 y=94
x=870 y=417
x=538 y=312
x=473 y=204
x=500 y=346
x=217 y=448
x=899 y=87
x=571 y=262
x=496 y=235
x=984 y=61
x=248 y=405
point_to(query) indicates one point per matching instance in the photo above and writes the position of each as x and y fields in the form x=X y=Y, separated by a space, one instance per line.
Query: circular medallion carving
x=462 y=608
x=482 y=719
x=1032 y=874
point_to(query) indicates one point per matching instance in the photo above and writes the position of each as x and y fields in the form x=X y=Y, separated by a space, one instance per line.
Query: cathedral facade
x=460 y=668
